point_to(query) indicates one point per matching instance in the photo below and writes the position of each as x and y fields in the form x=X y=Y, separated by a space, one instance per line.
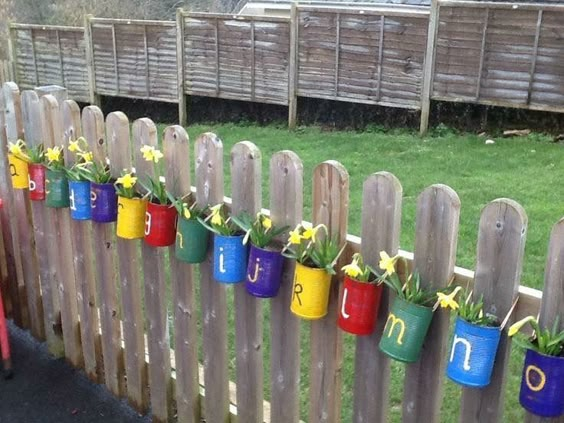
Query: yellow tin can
x=131 y=218
x=310 y=294
x=19 y=172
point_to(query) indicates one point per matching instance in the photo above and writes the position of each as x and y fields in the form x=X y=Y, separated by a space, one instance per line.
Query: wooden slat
x=49 y=297
x=84 y=262
x=330 y=207
x=115 y=56
x=90 y=66
x=286 y=204
x=209 y=191
x=177 y=155
x=131 y=282
x=552 y=296
x=104 y=244
x=293 y=68
x=180 y=57
x=154 y=270
x=501 y=246
x=380 y=56
x=381 y=222
x=429 y=65
x=436 y=234
x=246 y=196
x=337 y=52
x=482 y=52
x=534 y=56
x=59 y=245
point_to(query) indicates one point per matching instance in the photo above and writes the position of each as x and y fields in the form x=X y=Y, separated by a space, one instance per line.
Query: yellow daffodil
x=74 y=146
x=17 y=148
x=186 y=211
x=157 y=155
x=87 y=157
x=217 y=219
x=353 y=269
x=266 y=223
x=147 y=151
x=127 y=180
x=295 y=237
x=448 y=301
x=387 y=263
x=310 y=232
x=53 y=154
x=516 y=327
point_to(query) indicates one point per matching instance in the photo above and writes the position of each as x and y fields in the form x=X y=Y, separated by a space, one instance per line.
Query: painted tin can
x=542 y=385
x=192 y=240
x=160 y=225
x=229 y=258
x=131 y=218
x=264 y=272
x=36 y=183
x=19 y=172
x=405 y=330
x=472 y=354
x=56 y=189
x=79 y=197
x=359 y=306
x=104 y=202
x=310 y=293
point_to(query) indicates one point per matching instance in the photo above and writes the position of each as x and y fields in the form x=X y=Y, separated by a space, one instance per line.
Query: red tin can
x=160 y=225
x=36 y=182
x=359 y=306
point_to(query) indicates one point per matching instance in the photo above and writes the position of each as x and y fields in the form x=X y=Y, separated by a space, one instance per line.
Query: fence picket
x=209 y=191
x=501 y=245
x=381 y=219
x=436 y=235
x=83 y=262
x=247 y=195
x=154 y=269
x=286 y=204
x=129 y=264
x=49 y=296
x=552 y=296
x=177 y=155
x=330 y=207
x=104 y=244
x=59 y=246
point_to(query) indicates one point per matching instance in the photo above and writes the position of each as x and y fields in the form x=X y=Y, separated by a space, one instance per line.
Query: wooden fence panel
x=552 y=296
x=246 y=191
x=381 y=222
x=46 y=55
x=501 y=246
x=372 y=55
x=436 y=235
x=84 y=263
x=135 y=58
x=154 y=270
x=209 y=191
x=330 y=207
x=286 y=208
x=104 y=244
x=237 y=57
x=129 y=264
x=59 y=243
x=49 y=296
x=177 y=155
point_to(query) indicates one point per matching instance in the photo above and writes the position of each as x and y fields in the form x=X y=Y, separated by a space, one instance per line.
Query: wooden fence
x=501 y=54
x=104 y=302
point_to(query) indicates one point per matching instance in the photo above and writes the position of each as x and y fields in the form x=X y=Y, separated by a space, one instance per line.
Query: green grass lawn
x=524 y=169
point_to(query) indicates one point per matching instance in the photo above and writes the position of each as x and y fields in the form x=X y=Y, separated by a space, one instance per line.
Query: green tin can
x=191 y=241
x=56 y=189
x=405 y=330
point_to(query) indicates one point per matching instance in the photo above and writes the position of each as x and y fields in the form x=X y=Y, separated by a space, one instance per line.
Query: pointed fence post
x=131 y=282
x=381 y=221
x=436 y=235
x=177 y=155
x=501 y=246
x=286 y=207
x=246 y=192
x=330 y=207
x=209 y=191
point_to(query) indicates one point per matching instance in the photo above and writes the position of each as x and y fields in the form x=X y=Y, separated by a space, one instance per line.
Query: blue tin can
x=472 y=354
x=542 y=384
x=104 y=203
x=229 y=259
x=79 y=199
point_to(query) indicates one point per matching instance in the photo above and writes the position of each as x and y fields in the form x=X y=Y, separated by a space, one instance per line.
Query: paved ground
x=45 y=390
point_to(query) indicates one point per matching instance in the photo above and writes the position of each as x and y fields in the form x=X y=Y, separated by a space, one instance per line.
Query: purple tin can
x=264 y=272
x=104 y=202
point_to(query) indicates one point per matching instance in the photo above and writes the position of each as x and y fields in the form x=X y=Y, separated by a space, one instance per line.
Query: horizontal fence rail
x=129 y=314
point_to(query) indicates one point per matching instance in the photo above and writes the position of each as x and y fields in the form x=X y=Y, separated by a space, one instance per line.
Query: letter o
x=542 y=382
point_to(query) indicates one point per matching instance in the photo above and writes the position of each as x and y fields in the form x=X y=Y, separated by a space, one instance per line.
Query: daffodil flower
x=17 y=148
x=186 y=211
x=516 y=327
x=295 y=237
x=127 y=180
x=53 y=154
x=147 y=151
x=448 y=301
x=157 y=155
x=87 y=157
x=310 y=232
x=353 y=269
x=266 y=223
x=74 y=146
x=387 y=263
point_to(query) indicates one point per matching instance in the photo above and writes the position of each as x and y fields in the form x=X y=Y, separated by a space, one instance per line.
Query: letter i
x=221 y=261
